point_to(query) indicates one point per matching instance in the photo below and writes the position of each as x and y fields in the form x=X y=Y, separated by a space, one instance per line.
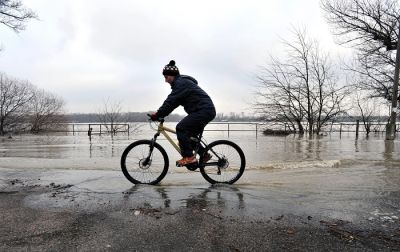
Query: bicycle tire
x=230 y=170
x=134 y=168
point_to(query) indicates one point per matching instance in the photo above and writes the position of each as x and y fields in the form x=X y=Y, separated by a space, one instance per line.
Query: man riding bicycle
x=196 y=102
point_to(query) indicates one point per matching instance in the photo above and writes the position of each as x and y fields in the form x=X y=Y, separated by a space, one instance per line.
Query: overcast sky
x=90 y=50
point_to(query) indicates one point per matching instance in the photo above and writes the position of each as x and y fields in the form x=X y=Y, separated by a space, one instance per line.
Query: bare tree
x=300 y=90
x=371 y=27
x=110 y=115
x=327 y=95
x=220 y=117
x=14 y=98
x=368 y=108
x=46 y=111
x=374 y=75
x=14 y=15
x=277 y=99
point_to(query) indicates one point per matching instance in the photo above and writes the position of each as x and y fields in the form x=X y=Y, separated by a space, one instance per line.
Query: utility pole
x=391 y=126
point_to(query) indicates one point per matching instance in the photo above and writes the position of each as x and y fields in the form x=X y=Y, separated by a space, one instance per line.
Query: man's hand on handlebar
x=153 y=116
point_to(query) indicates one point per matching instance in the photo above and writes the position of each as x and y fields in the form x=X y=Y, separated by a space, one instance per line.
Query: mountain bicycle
x=147 y=162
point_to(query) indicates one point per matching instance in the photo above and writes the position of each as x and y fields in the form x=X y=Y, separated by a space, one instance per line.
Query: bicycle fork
x=147 y=160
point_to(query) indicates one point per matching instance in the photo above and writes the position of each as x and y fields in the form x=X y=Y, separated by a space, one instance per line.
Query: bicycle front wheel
x=143 y=165
x=226 y=165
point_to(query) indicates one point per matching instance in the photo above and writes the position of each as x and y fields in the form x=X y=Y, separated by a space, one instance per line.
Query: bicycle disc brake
x=144 y=163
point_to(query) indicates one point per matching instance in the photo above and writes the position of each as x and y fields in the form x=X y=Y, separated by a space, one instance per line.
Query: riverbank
x=89 y=210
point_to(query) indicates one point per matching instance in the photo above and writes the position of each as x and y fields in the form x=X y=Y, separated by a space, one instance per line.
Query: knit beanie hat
x=171 y=69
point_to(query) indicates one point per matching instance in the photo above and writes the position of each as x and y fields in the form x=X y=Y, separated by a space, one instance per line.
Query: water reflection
x=356 y=145
x=160 y=197
x=388 y=153
x=225 y=197
x=313 y=147
x=112 y=148
x=218 y=195
x=90 y=149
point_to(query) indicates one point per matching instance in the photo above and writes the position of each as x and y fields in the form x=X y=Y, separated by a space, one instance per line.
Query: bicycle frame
x=163 y=130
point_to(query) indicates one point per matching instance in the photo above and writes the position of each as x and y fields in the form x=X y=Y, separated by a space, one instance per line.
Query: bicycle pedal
x=192 y=167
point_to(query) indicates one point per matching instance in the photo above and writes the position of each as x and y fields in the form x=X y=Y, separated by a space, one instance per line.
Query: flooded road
x=341 y=192
x=291 y=169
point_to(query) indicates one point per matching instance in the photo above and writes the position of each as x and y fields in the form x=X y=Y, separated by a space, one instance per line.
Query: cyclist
x=196 y=102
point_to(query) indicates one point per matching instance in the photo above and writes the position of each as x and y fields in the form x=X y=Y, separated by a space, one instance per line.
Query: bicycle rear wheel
x=226 y=165
x=141 y=165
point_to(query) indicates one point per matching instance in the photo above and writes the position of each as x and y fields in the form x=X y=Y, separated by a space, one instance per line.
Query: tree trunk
x=2 y=126
x=301 y=128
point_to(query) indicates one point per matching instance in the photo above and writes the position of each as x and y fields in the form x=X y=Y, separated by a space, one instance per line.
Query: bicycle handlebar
x=161 y=120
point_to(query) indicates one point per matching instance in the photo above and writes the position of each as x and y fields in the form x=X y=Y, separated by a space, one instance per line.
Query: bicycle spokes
x=226 y=166
x=141 y=165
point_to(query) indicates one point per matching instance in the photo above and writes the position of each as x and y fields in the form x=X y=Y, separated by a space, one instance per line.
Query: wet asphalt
x=75 y=210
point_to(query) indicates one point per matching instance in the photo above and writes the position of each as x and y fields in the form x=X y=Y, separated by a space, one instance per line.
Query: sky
x=93 y=50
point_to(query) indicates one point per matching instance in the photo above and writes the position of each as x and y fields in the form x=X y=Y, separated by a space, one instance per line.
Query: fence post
x=340 y=131
x=100 y=129
x=357 y=126
x=90 y=131
x=228 y=129
x=73 y=129
x=128 y=129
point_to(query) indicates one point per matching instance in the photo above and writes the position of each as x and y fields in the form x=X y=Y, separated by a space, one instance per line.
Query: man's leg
x=187 y=127
x=205 y=116
x=192 y=125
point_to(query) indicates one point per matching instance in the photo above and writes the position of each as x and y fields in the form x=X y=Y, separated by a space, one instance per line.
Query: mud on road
x=40 y=211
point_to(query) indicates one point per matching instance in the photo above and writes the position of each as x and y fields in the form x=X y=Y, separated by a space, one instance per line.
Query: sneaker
x=186 y=161
x=207 y=157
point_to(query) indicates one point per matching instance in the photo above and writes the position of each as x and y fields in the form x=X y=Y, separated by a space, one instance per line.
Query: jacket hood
x=183 y=78
x=189 y=78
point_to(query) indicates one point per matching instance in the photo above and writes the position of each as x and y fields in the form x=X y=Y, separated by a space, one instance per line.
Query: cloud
x=88 y=50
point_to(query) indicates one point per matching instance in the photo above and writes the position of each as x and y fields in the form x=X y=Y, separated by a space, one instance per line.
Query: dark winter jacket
x=187 y=93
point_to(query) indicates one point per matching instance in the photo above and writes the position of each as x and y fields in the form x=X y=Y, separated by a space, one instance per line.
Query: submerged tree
x=24 y=107
x=46 y=111
x=369 y=109
x=15 y=96
x=277 y=99
x=301 y=89
x=110 y=115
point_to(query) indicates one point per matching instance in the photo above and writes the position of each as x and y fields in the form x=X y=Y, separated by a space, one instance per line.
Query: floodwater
x=263 y=153
x=339 y=157
x=348 y=178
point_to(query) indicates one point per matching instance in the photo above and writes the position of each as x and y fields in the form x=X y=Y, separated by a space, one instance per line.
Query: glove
x=153 y=116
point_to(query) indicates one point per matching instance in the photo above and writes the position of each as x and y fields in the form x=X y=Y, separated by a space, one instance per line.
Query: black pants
x=191 y=126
